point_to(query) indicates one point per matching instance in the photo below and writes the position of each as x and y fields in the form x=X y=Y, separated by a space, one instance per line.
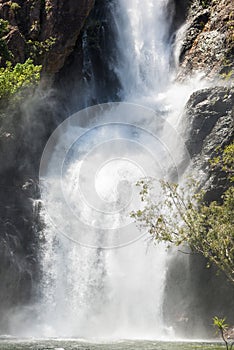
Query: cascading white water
x=117 y=291
x=144 y=51
x=88 y=192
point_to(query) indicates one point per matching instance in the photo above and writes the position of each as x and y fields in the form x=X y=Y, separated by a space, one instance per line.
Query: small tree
x=182 y=217
x=222 y=327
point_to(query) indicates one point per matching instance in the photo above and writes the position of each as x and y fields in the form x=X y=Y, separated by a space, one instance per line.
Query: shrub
x=183 y=217
x=14 y=79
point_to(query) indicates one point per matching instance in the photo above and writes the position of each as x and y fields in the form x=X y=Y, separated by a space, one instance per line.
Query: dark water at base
x=121 y=345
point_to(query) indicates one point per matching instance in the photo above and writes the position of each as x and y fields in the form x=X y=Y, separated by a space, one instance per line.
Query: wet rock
x=195 y=28
x=205 y=111
x=63 y=21
x=179 y=10
x=16 y=43
x=210 y=119
x=34 y=19
x=208 y=40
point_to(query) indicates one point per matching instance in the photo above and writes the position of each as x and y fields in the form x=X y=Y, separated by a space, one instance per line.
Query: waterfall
x=100 y=277
x=143 y=45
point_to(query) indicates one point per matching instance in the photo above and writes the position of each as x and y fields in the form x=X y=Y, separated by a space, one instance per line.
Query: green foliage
x=14 y=6
x=14 y=79
x=39 y=48
x=219 y=323
x=205 y=3
x=183 y=217
x=48 y=8
x=35 y=26
x=222 y=327
x=4 y=27
x=225 y=161
x=228 y=76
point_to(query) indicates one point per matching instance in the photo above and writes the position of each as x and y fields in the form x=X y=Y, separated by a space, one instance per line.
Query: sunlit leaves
x=221 y=326
x=15 y=79
x=220 y=323
x=225 y=161
x=181 y=216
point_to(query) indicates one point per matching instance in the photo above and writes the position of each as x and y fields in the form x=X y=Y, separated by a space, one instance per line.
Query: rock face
x=209 y=123
x=47 y=30
x=23 y=135
x=210 y=118
x=205 y=110
x=63 y=20
x=208 y=43
x=207 y=46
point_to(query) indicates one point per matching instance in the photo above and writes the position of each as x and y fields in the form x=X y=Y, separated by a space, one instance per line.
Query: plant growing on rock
x=4 y=27
x=39 y=48
x=205 y=3
x=14 y=6
x=14 y=79
x=183 y=217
